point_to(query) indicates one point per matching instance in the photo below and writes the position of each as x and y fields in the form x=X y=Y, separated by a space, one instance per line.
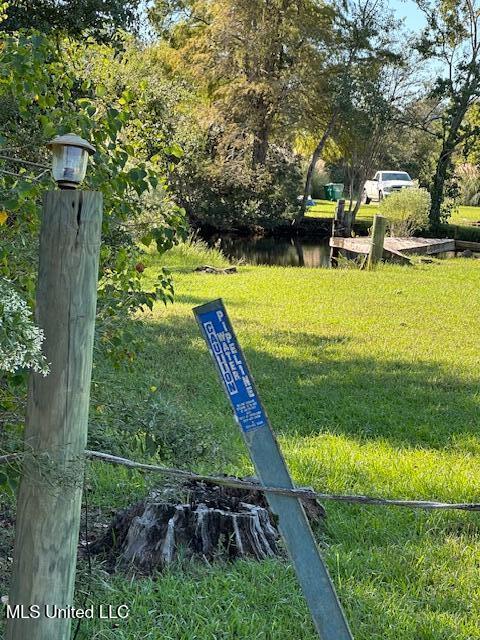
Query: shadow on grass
x=407 y=403
x=195 y=301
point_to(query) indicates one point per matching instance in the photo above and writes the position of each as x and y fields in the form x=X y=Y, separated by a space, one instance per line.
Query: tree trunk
x=443 y=166
x=438 y=187
x=311 y=168
x=358 y=203
x=198 y=519
x=260 y=147
x=350 y=173
x=262 y=135
x=366 y=166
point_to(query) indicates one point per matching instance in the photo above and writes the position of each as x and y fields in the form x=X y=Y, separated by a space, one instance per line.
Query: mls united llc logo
x=52 y=611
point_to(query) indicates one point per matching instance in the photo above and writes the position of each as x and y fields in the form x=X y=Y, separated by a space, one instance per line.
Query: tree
x=57 y=86
x=416 y=149
x=249 y=54
x=360 y=42
x=379 y=96
x=452 y=37
x=98 y=18
x=245 y=61
x=49 y=88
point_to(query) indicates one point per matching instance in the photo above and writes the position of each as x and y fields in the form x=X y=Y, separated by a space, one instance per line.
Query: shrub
x=218 y=186
x=20 y=339
x=407 y=211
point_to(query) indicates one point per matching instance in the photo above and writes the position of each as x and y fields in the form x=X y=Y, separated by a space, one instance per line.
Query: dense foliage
x=98 y=18
x=452 y=39
x=20 y=340
x=234 y=194
x=50 y=87
x=407 y=211
x=249 y=63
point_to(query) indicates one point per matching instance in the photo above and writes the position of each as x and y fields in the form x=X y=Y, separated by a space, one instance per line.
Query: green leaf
x=12 y=483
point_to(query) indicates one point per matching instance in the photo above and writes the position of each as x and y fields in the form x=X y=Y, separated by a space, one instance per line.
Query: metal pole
x=272 y=470
x=49 y=500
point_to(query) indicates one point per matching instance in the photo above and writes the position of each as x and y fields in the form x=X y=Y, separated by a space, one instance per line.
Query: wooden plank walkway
x=396 y=247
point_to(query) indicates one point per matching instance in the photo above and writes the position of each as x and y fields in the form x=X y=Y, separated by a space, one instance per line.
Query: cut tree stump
x=218 y=271
x=212 y=522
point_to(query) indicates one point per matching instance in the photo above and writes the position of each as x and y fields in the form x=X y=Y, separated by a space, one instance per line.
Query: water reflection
x=286 y=252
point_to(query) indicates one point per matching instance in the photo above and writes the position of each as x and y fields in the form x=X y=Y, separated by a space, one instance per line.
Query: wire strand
x=235 y=483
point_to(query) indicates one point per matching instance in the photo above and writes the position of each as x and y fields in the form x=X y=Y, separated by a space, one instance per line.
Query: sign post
x=272 y=470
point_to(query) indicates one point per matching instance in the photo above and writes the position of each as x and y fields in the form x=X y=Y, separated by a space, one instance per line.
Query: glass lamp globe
x=70 y=158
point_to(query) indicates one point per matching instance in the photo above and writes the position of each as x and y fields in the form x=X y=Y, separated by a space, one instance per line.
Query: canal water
x=286 y=252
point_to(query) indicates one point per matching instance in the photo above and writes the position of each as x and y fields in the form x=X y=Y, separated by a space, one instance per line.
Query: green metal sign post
x=272 y=470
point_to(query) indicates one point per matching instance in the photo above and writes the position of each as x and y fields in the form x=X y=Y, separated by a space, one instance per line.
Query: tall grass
x=191 y=253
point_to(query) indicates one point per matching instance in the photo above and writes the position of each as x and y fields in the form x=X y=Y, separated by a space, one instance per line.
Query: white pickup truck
x=384 y=183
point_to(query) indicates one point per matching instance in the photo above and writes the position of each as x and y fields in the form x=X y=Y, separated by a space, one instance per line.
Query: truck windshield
x=396 y=176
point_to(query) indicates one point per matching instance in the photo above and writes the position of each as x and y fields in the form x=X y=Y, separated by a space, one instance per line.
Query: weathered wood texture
x=465 y=245
x=342 y=221
x=378 y=239
x=341 y=228
x=196 y=519
x=361 y=246
x=208 y=521
x=396 y=246
x=49 y=500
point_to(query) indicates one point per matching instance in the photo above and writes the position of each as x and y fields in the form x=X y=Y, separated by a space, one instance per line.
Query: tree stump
x=218 y=271
x=212 y=522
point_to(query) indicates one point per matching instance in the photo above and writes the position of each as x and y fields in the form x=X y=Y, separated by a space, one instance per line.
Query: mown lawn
x=326 y=209
x=466 y=215
x=371 y=381
x=463 y=215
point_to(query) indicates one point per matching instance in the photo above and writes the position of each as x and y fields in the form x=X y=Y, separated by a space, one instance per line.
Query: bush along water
x=234 y=194
x=407 y=211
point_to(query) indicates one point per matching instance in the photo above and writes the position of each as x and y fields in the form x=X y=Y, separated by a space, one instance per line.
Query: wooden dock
x=396 y=249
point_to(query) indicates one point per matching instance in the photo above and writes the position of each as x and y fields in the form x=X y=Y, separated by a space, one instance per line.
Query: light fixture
x=70 y=158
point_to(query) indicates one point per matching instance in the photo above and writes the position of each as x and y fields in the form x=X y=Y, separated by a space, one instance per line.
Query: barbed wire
x=300 y=492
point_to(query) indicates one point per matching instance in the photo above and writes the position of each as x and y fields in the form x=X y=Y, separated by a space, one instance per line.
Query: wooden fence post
x=341 y=228
x=50 y=494
x=378 y=240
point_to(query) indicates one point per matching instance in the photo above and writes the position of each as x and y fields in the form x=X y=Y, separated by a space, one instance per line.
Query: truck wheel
x=365 y=198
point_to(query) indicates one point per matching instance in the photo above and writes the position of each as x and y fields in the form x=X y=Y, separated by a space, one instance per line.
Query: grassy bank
x=460 y=222
x=371 y=381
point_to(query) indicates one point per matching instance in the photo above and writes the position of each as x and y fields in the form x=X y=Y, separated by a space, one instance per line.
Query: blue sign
x=231 y=365
x=272 y=471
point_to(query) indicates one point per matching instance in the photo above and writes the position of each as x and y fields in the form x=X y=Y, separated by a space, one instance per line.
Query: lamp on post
x=70 y=158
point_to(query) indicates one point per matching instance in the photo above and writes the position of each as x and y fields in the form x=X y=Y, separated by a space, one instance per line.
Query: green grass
x=462 y=216
x=190 y=254
x=465 y=215
x=371 y=380
x=326 y=209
